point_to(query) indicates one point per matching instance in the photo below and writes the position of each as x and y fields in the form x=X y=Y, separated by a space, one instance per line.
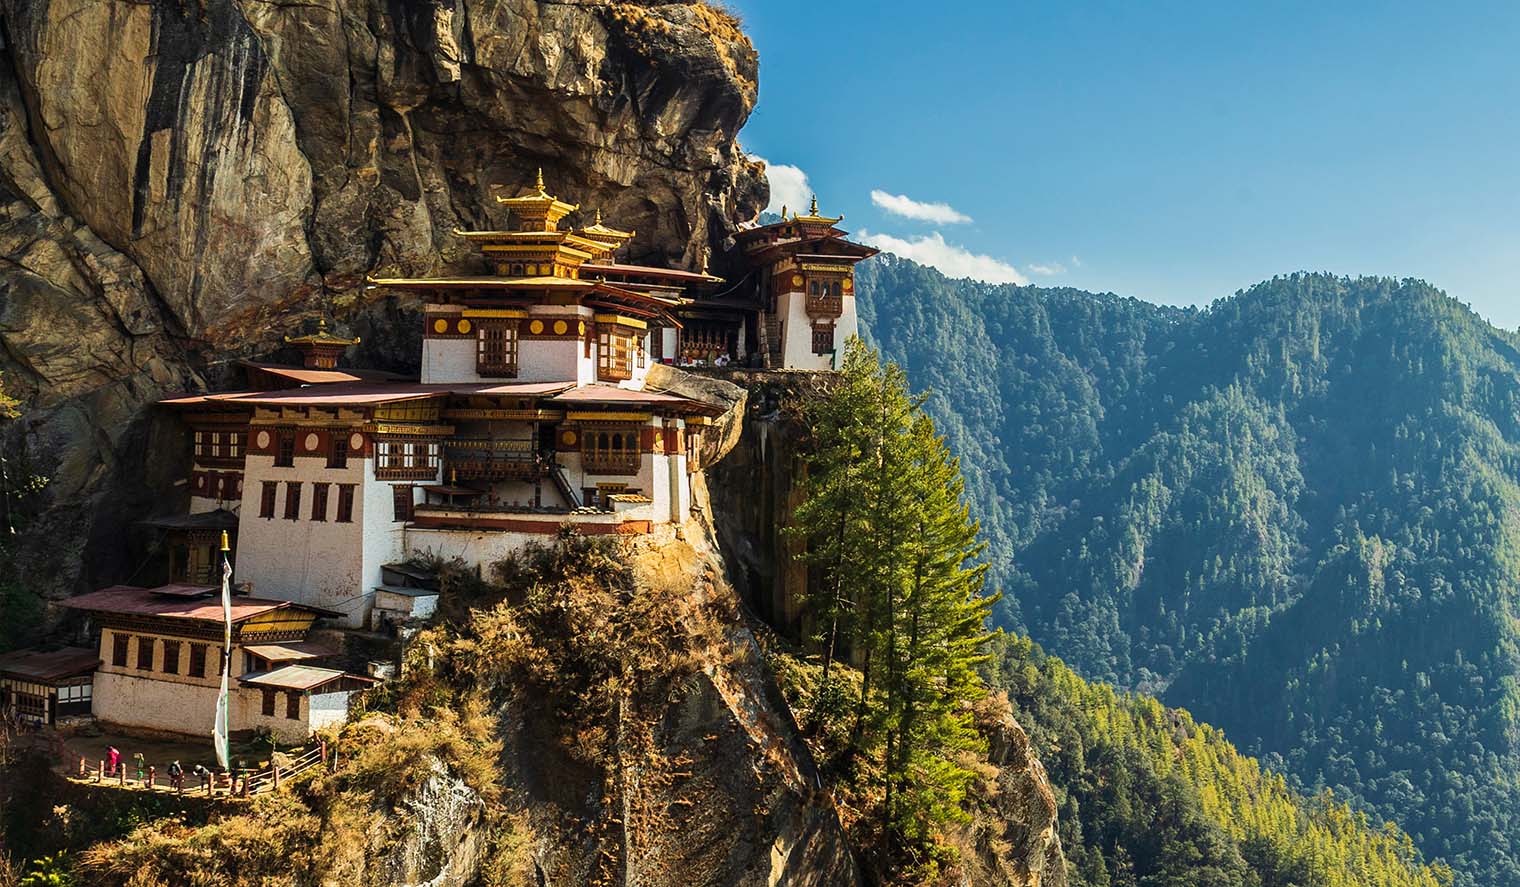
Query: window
x=610 y=450
x=200 y=444
x=266 y=498
x=144 y=654
x=345 y=503
x=171 y=657
x=285 y=448
x=496 y=349
x=406 y=459
x=823 y=340
x=268 y=708
x=292 y=500
x=197 y=661
x=319 y=501
x=119 y=644
x=401 y=502
x=614 y=353
x=337 y=450
x=292 y=705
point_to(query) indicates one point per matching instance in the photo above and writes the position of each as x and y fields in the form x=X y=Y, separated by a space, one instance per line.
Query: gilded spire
x=813 y=209
x=539 y=182
x=783 y=212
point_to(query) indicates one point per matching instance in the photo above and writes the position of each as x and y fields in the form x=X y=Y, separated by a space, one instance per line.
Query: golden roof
x=814 y=217
x=539 y=205
x=321 y=337
x=598 y=231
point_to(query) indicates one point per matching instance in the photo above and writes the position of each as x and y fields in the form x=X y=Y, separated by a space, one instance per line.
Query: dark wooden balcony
x=825 y=306
x=494 y=459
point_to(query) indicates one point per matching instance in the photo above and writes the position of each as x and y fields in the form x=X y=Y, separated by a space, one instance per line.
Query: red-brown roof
x=648 y=271
x=52 y=665
x=370 y=393
x=134 y=601
x=609 y=395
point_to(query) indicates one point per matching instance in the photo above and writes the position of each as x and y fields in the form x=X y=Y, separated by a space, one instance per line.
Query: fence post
x=101 y=775
x=121 y=775
x=152 y=777
x=276 y=770
x=322 y=744
x=81 y=766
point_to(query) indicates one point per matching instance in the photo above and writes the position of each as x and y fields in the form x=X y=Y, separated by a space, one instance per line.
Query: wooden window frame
x=615 y=348
x=402 y=500
x=267 y=496
x=292 y=705
x=171 y=657
x=293 y=500
x=266 y=706
x=120 y=649
x=407 y=458
x=496 y=349
x=337 y=450
x=819 y=341
x=197 y=664
x=612 y=449
x=284 y=448
x=144 y=650
x=319 y=501
x=345 y=513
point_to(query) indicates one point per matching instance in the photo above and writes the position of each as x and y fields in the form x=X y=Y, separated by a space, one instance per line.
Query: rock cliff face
x=182 y=181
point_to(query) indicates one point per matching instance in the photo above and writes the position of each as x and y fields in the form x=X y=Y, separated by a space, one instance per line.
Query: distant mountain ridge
x=1295 y=513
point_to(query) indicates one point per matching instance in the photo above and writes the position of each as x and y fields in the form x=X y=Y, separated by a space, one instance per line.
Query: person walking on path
x=142 y=766
x=176 y=776
x=113 y=757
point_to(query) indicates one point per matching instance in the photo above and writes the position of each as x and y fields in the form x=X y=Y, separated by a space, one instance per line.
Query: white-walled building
x=531 y=413
x=160 y=658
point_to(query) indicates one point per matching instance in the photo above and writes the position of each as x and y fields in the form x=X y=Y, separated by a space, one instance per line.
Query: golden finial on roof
x=598 y=218
x=539 y=182
x=813 y=210
x=783 y=212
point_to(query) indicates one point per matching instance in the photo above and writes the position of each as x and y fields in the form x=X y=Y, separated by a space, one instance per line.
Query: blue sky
x=1173 y=151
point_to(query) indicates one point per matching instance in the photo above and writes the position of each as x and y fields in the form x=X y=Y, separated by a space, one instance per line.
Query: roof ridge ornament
x=539 y=182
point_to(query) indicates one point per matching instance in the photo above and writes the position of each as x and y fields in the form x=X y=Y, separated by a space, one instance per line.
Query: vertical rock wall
x=182 y=181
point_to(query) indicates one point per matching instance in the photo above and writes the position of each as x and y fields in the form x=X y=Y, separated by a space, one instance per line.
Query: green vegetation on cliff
x=1295 y=513
x=1148 y=796
x=899 y=592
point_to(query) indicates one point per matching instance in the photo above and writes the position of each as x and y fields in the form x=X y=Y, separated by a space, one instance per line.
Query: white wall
x=797 y=335
x=848 y=325
x=327 y=709
x=248 y=714
x=322 y=563
x=449 y=360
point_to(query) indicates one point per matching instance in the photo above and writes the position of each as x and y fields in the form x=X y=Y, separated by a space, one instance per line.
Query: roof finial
x=540 y=182
x=598 y=217
x=783 y=212
x=813 y=210
x=321 y=325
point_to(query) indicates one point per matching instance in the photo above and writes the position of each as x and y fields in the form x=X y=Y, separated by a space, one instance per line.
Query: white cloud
x=789 y=187
x=908 y=208
x=954 y=261
x=1047 y=270
x=1076 y=262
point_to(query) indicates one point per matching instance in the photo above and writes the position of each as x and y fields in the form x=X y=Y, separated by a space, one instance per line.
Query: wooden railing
x=488 y=459
x=825 y=306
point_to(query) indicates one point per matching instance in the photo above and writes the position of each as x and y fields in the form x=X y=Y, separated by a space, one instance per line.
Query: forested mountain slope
x=1294 y=513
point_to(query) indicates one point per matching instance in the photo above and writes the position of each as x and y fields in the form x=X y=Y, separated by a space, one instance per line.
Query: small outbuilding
x=41 y=686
